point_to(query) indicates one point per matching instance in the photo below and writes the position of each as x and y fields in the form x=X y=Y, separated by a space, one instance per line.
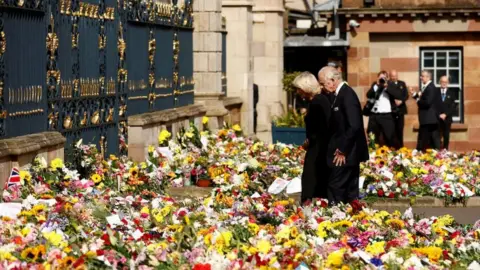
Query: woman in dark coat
x=315 y=169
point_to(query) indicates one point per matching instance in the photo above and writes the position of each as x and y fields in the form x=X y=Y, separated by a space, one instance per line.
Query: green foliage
x=291 y=119
x=288 y=80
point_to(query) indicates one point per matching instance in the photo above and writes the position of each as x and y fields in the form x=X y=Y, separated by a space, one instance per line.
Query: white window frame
x=458 y=85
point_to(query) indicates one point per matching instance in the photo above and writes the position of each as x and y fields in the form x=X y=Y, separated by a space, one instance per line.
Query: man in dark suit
x=449 y=106
x=347 y=146
x=430 y=111
x=401 y=106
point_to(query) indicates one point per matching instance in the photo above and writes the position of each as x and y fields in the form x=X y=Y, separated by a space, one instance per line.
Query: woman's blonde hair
x=307 y=82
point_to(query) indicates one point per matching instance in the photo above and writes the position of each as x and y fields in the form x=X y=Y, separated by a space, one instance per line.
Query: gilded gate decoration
x=102 y=61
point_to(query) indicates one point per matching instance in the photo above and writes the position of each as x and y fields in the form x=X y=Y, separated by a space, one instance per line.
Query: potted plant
x=289 y=128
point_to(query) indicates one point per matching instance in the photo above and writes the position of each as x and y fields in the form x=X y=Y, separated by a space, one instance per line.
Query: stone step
x=427 y=201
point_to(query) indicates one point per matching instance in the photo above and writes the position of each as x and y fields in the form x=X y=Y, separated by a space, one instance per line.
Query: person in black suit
x=315 y=170
x=430 y=111
x=401 y=105
x=449 y=106
x=347 y=146
x=383 y=110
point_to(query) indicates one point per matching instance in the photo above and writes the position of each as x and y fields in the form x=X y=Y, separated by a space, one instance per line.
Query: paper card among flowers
x=278 y=186
x=10 y=210
x=295 y=186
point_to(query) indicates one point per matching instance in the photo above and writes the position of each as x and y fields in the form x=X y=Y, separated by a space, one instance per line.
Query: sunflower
x=29 y=254
x=96 y=178
x=133 y=171
x=395 y=223
x=41 y=251
x=67 y=262
x=38 y=209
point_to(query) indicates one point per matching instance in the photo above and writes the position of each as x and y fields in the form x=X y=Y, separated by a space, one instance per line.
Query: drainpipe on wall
x=336 y=22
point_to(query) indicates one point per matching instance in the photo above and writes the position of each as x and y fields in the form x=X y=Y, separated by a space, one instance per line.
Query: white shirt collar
x=425 y=85
x=338 y=88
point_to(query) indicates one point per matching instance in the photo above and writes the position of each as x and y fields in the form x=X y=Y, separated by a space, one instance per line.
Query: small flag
x=14 y=178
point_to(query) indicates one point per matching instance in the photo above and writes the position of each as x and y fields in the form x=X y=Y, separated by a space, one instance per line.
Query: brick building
x=411 y=35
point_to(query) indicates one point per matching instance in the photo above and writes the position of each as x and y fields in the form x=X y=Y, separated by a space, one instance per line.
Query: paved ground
x=463 y=215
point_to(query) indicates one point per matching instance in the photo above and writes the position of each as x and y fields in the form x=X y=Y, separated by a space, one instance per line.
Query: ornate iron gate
x=81 y=67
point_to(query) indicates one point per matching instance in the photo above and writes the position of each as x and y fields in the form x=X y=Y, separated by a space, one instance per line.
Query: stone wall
x=143 y=129
x=374 y=47
x=267 y=51
x=207 y=59
x=239 y=22
x=20 y=151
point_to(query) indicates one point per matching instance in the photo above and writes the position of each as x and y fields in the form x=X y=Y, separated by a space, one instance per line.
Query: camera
x=382 y=81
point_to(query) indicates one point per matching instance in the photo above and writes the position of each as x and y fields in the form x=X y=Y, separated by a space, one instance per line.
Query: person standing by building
x=430 y=111
x=448 y=99
x=401 y=105
x=347 y=146
x=382 y=110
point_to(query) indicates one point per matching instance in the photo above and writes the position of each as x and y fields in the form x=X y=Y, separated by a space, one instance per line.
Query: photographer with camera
x=382 y=110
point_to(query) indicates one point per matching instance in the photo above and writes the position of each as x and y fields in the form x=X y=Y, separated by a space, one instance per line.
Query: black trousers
x=382 y=124
x=343 y=184
x=399 y=125
x=445 y=127
x=428 y=136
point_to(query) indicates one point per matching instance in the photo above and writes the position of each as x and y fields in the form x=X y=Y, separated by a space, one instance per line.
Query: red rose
x=106 y=239
x=391 y=195
x=100 y=252
x=449 y=192
x=380 y=193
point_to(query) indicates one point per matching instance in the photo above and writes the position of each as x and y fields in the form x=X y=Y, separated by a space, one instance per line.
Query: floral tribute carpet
x=95 y=213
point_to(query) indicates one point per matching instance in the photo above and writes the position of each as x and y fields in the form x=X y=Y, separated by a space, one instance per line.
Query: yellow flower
x=163 y=136
x=323 y=228
x=294 y=232
x=96 y=178
x=29 y=254
x=189 y=134
x=253 y=228
x=285 y=151
x=376 y=248
x=433 y=253
x=56 y=164
x=227 y=238
x=38 y=209
x=205 y=120
x=143 y=165
x=151 y=148
x=113 y=157
x=7 y=256
x=264 y=246
x=399 y=175
x=236 y=127
x=343 y=223
x=54 y=239
x=335 y=259
x=145 y=210
x=133 y=171
x=396 y=223
x=25 y=175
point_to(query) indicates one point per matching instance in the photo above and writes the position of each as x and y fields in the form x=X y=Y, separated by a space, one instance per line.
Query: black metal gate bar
x=82 y=66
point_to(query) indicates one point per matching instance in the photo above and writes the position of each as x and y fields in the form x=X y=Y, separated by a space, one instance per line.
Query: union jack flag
x=14 y=178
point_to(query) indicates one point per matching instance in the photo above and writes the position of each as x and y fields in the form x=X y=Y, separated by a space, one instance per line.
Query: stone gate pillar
x=239 y=22
x=207 y=59
x=267 y=49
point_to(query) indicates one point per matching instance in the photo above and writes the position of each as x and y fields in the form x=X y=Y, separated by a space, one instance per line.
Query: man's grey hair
x=428 y=72
x=444 y=76
x=307 y=82
x=330 y=73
